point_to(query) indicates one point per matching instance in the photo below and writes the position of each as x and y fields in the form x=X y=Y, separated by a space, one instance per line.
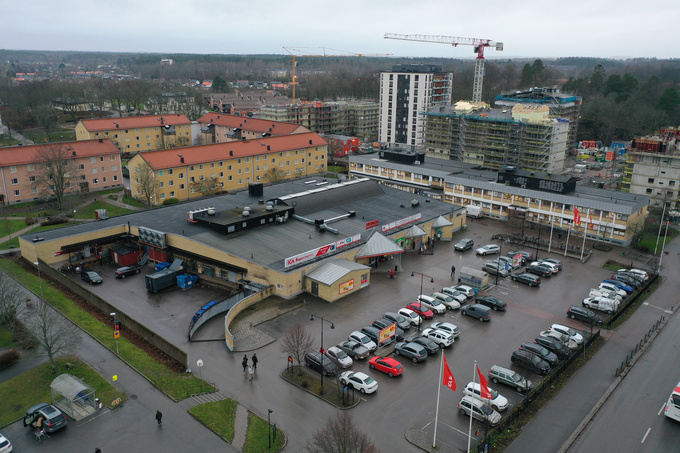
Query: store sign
x=346 y=286
x=320 y=251
x=387 y=332
x=401 y=222
x=372 y=224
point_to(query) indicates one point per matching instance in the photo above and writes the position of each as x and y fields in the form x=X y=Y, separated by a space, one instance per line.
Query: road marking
x=104 y=412
x=646 y=434
x=656 y=306
x=663 y=406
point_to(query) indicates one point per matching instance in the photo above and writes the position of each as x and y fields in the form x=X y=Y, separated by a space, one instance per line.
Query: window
x=115 y=177
x=34 y=190
x=103 y=169
x=161 y=184
x=160 y=172
x=650 y=180
x=94 y=171
x=172 y=194
x=15 y=181
x=31 y=178
x=95 y=181
x=171 y=171
x=101 y=159
x=31 y=167
x=104 y=179
x=231 y=178
x=162 y=195
x=17 y=192
x=229 y=168
x=93 y=160
x=181 y=187
x=671 y=183
x=200 y=167
x=192 y=179
x=221 y=174
x=649 y=191
x=191 y=168
x=171 y=183
x=181 y=175
x=114 y=168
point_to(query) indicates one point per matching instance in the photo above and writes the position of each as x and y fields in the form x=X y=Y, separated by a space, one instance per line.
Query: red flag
x=577 y=217
x=591 y=221
x=448 y=380
x=483 y=385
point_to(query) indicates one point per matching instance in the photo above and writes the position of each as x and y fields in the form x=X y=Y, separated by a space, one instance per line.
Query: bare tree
x=146 y=181
x=297 y=342
x=53 y=333
x=56 y=176
x=11 y=303
x=207 y=187
x=340 y=435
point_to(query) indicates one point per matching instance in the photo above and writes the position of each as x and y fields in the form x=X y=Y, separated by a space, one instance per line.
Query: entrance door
x=315 y=289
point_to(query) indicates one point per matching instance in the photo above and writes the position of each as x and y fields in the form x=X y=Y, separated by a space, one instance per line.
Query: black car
x=537 y=269
x=464 y=244
x=124 y=271
x=430 y=346
x=526 y=256
x=527 y=279
x=91 y=277
x=401 y=322
x=544 y=353
x=492 y=302
x=381 y=323
x=555 y=346
x=530 y=361
x=322 y=364
x=584 y=314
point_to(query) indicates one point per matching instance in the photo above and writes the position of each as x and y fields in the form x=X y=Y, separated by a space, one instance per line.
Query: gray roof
x=333 y=270
x=441 y=222
x=415 y=231
x=379 y=245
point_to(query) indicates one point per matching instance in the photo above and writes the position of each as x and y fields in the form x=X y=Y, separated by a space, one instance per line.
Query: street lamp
x=500 y=253
x=269 y=427
x=74 y=215
x=322 y=351
x=115 y=329
x=37 y=263
x=413 y=274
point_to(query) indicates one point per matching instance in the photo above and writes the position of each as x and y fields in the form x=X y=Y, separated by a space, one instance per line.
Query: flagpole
x=585 y=233
x=658 y=269
x=439 y=390
x=470 y=428
x=566 y=246
x=552 y=225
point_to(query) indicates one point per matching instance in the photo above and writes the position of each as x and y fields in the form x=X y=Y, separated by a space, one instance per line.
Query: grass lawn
x=134 y=202
x=219 y=416
x=33 y=387
x=257 y=436
x=14 y=242
x=88 y=211
x=11 y=226
x=176 y=385
x=6 y=340
x=39 y=136
x=648 y=240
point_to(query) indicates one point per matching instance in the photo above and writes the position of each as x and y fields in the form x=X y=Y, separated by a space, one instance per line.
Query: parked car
x=465 y=289
x=554 y=261
x=530 y=361
x=492 y=302
x=387 y=365
x=627 y=279
x=421 y=310
x=363 y=340
x=489 y=249
x=339 y=357
x=381 y=323
x=493 y=268
x=448 y=301
x=628 y=289
x=608 y=306
x=481 y=312
x=443 y=339
x=430 y=346
x=554 y=268
x=398 y=319
x=527 y=279
x=480 y=410
x=508 y=263
x=555 y=346
x=354 y=349
x=574 y=335
x=543 y=352
x=374 y=334
x=526 y=256
x=412 y=351
x=47 y=416
x=5 y=444
x=583 y=314
x=464 y=244
x=320 y=363
x=636 y=277
x=460 y=297
x=432 y=303
x=639 y=272
x=497 y=401
x=599 y=292
x=446 y=327
x=124 y=271
x=499 y=374
x=411 y=316
x=564 y=339
x=360 y=381
x=91 y=277
x=613 y=288
x=539 y=269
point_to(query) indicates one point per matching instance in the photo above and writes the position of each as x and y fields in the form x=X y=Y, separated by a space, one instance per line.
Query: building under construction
x=523 y=136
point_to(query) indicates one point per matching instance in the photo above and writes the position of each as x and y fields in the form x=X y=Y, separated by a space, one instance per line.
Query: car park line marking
x=646 y=434
x=663 y=406
x=103 y=412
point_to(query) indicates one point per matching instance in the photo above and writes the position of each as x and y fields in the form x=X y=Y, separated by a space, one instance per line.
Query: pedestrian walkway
x=240 y=427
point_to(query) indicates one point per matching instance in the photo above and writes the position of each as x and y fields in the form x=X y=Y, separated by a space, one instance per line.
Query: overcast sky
x=528 y=28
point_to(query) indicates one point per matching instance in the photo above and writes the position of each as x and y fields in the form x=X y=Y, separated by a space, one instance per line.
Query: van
x=374 y=334
x=672 y=409
x=473 y=211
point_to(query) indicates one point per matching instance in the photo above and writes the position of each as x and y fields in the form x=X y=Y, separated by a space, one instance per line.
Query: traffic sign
x=116 y=333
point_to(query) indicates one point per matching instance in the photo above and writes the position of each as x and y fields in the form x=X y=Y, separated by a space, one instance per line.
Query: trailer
x=164 y=278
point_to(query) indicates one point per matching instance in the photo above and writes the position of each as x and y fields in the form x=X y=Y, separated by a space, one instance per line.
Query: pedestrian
x=453 y=271
x=245 y=363
x=159 y=416
x=254 y=360
x=97 y=450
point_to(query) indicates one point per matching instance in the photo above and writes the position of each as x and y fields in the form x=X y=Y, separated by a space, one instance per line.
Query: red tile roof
x=134 y=122
x=194 y=155
x=22 y=155
x=249 y=124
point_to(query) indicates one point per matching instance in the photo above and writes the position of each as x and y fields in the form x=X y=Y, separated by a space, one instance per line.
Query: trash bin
x=464 y=227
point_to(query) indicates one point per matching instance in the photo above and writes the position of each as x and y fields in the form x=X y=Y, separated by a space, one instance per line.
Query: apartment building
x=221 y=128
x=524 y=136
x=405 y=93
x=245 y=103
x=133 y=134
x=91 y=165
x=197 y=171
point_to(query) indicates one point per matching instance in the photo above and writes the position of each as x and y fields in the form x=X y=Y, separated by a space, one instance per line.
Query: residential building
x=561 y=105
x=197 y=171
x=537 y=198
x=524 y=136
x=133 y=134
x=172 y=103
x=405 y=93
x=91 y=165
x=220 y=128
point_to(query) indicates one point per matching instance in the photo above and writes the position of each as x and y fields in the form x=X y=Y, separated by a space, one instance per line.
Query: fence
x=648 y=336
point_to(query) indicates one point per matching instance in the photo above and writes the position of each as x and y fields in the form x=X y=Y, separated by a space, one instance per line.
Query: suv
x=413 y=351
x=498 y=374
x=320 y=363
x=464 y=244
x=353 y=349
x=446 y=327
x=530 y=361
x=540 y=351
x=478 y=311
x=481 y=411
x=497 y=401
x=460 y=297
x=382 y=323
x=449 y=301
x=45 y=416
x=442 y=338
x=583 y=314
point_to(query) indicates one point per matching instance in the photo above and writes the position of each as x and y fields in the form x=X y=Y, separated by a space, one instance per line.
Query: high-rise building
x=405 y=93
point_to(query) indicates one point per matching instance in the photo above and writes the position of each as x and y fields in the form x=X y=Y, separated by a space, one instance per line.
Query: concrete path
x=240 y=427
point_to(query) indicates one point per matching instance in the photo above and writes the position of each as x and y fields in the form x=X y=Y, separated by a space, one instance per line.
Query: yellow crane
x=479 y=46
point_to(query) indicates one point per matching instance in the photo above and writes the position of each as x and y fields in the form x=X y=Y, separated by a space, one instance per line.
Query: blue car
x=618 y=284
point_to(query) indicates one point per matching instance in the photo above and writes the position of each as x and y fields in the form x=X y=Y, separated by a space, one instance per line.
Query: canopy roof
x=379 y=245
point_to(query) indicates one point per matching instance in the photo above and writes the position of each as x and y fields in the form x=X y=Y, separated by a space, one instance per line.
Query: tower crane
x=479 y=46
x=303 y=52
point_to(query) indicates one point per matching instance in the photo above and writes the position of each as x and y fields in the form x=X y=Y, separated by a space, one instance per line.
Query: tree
x=597 y=79
x=11 y=303
x=207 y=186
x=56 y=175
x=296 y=343
x=340 y=435
x=146 y=181
x=46 y=117
x=669 y=101
x=527 y=76
x=52 y=332
x=219 y=84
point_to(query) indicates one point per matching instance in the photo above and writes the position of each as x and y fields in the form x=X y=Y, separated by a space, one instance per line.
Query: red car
x=386 y=365
x=421 y=310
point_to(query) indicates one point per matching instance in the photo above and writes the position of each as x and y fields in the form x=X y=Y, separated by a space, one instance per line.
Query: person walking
x=97 y=450
x=254 y=360
x=159 y=416
x=453 y=271
x=245 y=363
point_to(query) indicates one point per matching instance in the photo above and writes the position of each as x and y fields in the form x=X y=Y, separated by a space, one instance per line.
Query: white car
x=411 y=316
x=489 y=249
x=497 y=401
x=453 y=292
x=565 y=339
x=449 y=301
x=613 y=288
x=358 y=380
x=639 y=272
x=442 y=338
x=339 y=357
x=5 y=444
x=467 y=290
x=432 y=303
x=601 y=303
x=557 y=263
x=574 y=335
x=599 y=292
x=446 y=327
x=363 y=340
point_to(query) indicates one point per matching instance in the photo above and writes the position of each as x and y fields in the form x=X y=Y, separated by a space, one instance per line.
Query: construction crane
x=304 y=52
x=479 y=46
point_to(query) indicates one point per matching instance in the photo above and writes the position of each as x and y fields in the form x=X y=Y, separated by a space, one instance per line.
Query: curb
x=281 y=375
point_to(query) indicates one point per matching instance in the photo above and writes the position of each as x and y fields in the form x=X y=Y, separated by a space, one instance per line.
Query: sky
x=527 y=28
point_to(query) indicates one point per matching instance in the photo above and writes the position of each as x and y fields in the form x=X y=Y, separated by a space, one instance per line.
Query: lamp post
x=74 y=215
x=37 y=263
x=500 y=253
x=420 y=307
x=115 y=329
x=322 y=351
x=269 y=426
